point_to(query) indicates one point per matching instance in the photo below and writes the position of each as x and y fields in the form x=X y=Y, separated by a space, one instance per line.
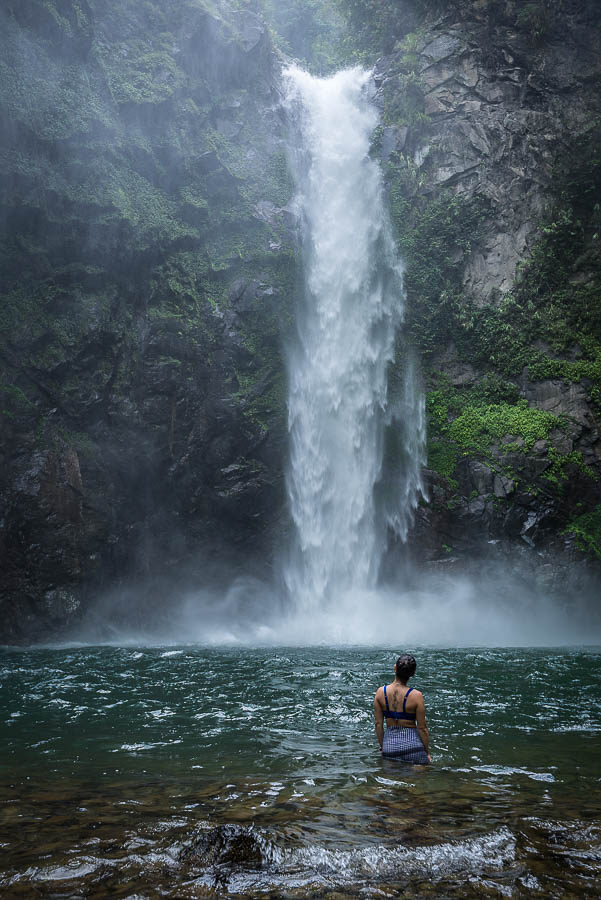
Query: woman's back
x=402 y=709
x=401 y=700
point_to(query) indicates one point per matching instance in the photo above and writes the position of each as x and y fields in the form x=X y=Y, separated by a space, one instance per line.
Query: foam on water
x=299 y=867
x=305 y=865
x=491 y=851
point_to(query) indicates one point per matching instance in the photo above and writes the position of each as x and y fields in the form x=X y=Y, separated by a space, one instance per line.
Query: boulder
x=229 y=846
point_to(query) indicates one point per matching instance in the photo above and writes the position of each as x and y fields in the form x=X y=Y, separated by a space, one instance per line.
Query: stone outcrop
x=501 y=111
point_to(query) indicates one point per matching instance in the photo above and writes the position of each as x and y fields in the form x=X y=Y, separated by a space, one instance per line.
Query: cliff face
x=490 y=142
x=147 y=277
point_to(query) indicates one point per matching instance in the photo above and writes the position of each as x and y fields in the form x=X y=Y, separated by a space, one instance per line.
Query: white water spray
x=338 y=365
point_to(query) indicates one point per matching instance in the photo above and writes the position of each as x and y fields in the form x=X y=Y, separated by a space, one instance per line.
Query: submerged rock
x=227 y=845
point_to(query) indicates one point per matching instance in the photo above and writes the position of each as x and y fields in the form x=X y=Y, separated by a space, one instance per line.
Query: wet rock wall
x=147 y=276
x=489 y=141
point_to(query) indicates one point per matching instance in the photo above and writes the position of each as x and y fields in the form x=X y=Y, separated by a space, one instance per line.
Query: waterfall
x=338 y=364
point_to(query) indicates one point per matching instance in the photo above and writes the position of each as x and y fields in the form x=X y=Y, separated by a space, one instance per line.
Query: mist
x=436 y=610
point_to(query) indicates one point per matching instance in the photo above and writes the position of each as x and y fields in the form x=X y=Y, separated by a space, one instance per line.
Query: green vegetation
x=137 y=72
x=476 y=429
x=488 y=421
x=375 y=27
x=561 y=463
x=555 y=300
x=263 y=395
x=309 y=30
x=534 y=18
x=550 y=324
x=403 y=98
x=14 y=402
x=435 y=238
x=542 y=20
x=586 y=529
x=139 y=190
x=148 y=268
x=465 y=423
x=556 y=296
x=442 y=458
x=548 y=304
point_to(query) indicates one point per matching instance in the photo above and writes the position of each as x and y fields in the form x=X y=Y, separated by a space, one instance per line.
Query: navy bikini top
x=391 y=714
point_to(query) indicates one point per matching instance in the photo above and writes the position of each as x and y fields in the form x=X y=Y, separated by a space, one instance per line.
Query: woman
x=406 y=736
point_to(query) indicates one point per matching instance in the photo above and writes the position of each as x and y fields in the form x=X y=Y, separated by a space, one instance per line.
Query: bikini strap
x=386 y=699
x=405 y=698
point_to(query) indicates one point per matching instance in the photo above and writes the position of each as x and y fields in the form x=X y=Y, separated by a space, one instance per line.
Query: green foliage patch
x=551 y=320
x=435 y=238
x=375 y=27
x=476 y=428
x=14 y=402
x=587 y=531
x=52 y=97
x=474 y=421
x=309 y=30
x=137 y=72
x=139 y=186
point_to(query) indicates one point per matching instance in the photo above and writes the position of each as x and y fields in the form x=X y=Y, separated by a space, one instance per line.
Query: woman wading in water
x=406 y=736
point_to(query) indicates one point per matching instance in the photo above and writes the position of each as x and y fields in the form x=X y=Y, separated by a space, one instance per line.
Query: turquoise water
x=116 y=758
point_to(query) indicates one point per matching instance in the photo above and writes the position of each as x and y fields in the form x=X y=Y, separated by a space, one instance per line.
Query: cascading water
x=338 y=364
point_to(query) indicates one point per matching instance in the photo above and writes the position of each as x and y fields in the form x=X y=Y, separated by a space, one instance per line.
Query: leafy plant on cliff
x=534 y=18
x=138 y=72
x=376 y=25
x=489 y=420
x=309 y=30
x=434 y=241
x=138 y=186
x=476 y=428
x=470 y=424
x=587 y=531
x=551 y=320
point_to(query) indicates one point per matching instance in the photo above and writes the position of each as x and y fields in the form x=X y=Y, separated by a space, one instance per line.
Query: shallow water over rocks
x=192 y=772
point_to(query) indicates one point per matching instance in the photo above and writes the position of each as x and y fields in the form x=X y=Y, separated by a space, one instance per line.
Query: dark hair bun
x=405 y=666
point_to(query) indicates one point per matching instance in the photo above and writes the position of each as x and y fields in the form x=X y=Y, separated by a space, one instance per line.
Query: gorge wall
x=147 y=280
x=490 y=139
x=149 y=273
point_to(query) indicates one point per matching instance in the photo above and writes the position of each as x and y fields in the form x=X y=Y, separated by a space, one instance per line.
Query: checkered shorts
x=405 y=744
